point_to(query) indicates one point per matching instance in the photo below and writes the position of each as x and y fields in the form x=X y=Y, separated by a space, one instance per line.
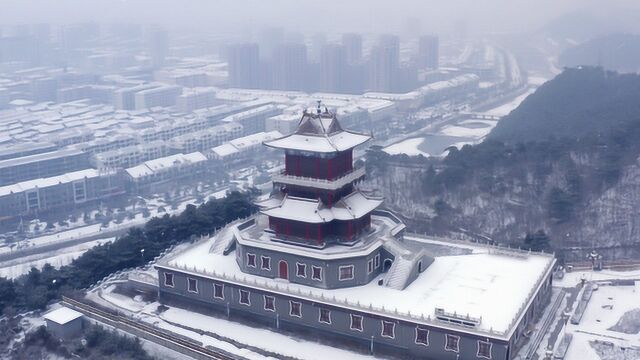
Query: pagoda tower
x=318 y=228
x=315 y=200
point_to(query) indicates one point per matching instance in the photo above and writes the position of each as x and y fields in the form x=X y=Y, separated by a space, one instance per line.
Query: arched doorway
x=386 y=265
x=283 y=268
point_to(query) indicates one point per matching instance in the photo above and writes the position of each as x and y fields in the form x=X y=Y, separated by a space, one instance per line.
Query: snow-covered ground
x=536 y=80
x=607 y=306
x=181 y=321
x=468 y=131
x=57 y=259
x=505 y=109
x=409 y=147
x=571 y=279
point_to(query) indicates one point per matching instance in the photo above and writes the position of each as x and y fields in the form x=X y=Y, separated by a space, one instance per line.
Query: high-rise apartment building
x=244 y=65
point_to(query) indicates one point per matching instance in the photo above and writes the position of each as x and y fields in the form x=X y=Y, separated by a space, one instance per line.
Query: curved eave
x=313 y=219
x=319 y=144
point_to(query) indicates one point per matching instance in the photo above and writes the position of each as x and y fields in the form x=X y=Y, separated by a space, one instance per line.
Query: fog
x=403 y=16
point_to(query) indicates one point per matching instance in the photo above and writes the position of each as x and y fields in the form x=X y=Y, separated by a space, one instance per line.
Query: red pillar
x=349 y=230
x=287 y=159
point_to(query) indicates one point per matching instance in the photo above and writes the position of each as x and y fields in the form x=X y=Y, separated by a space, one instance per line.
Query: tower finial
x=319 y=102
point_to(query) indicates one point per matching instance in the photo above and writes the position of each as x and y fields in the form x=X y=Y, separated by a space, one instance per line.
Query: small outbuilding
x=64 y=323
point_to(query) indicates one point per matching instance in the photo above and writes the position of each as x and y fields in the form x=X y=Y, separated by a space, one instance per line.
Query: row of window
x=346 y=272
x=452 y=342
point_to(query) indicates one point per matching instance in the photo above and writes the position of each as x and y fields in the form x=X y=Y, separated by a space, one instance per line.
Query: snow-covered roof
x=353 y=206
x=473 y=284
x=165 y=163
x=321 y=133
x=62 y=315
x=224 y=150
x=50 y=181
x=139 y=171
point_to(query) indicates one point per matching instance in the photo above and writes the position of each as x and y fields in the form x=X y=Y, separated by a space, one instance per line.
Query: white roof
x=473 y=284
x=340 y=141
x=224 y=150
x=62 y=315
x=255 y=139
x=353 y=206
x=139 y=171
x=50 y=181
x=164 y=164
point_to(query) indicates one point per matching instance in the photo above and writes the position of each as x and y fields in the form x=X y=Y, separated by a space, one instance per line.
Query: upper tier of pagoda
x=319 y=133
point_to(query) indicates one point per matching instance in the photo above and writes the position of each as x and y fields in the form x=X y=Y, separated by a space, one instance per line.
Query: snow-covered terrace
x=491 y=283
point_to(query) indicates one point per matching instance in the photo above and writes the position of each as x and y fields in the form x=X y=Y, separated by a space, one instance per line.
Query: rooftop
x=39 y=157
x=50 y=181
x=471 y=283
x=319 y=132
x=62 y=315
x=353 y=206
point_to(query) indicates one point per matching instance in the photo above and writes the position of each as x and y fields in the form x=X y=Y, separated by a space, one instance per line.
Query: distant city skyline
x=481 y=17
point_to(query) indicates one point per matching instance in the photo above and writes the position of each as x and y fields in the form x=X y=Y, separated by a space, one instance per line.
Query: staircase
x=223 y=240
x=404 y=263
x=398 y=274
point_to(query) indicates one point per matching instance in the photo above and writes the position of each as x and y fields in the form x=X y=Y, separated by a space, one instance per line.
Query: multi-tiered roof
x=316 y=201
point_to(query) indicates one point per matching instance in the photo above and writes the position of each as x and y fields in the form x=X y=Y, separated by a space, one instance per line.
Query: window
x=345 y=272
x=301 y=270
x=295 y=309
x=218 y=291
x=325 y=316
x=265 y=262
x=484 y=349
x=168 y=279
x=192 y=285
x=269 y=303
x=377 y=260
x=388 y=329
x=370 y=266
x=244 y=298
x=316 y=273
x=452 y=343
x=251 y=260
x=79 y=191
x=422 y=336
x=33 y=200
x=356 y=322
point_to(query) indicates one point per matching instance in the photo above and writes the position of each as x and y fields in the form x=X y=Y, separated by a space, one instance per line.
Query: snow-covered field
x=409 y=147
x=505 y=109
x=470 y=132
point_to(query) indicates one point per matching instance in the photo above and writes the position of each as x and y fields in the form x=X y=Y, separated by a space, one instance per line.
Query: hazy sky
x=313 y=15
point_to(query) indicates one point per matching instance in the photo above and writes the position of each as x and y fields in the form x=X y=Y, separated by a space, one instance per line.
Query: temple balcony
x=322 y=184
